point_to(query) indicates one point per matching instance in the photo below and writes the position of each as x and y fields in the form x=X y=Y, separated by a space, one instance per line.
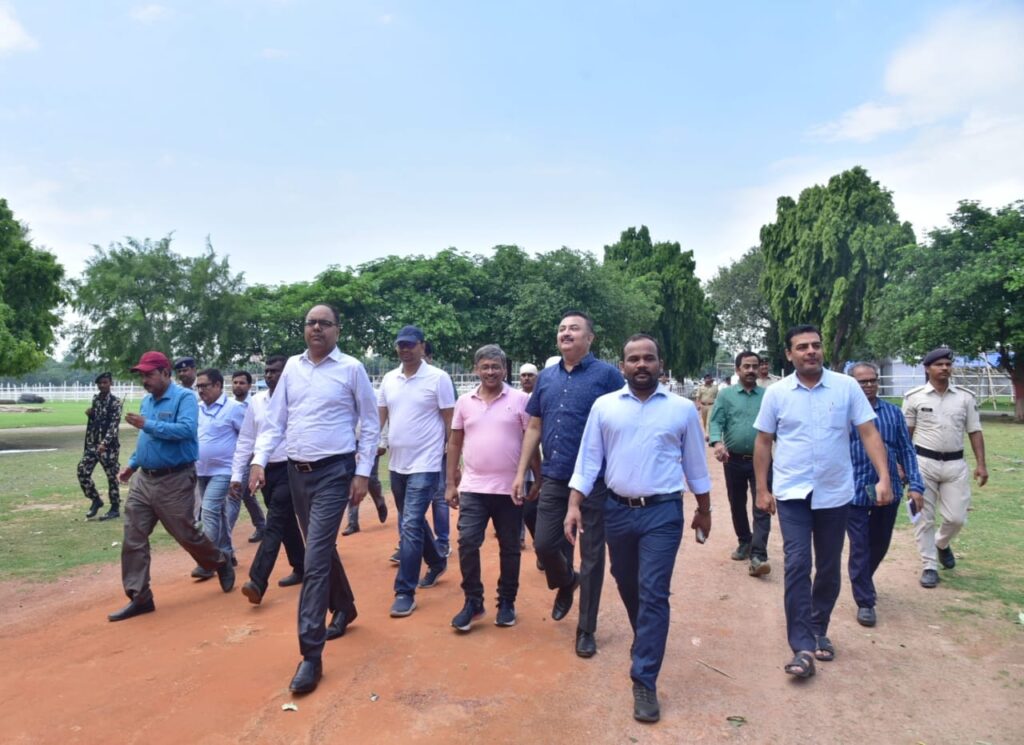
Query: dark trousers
x=475 y=510
x=870 y=531
x=280 y=527
x=169 y=500
x=376 y=490
x=642 y=546
x=320 y=497
x=530 y=517
x=252 y=506
x=739 y=478
x=809 y=604
x=556 y=553
x=108 y=461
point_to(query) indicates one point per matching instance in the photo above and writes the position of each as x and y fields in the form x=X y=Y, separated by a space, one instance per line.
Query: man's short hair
x=242 y=374
x=213 y=375
x=490 y=352
x=580 y=314
x=275 y=358
x=870 y=365
x=642 y=337
x=744 y=354
x=802 y=328
x=334 y=311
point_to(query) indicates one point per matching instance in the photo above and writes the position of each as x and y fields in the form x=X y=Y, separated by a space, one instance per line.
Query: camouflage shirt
x=104 y=422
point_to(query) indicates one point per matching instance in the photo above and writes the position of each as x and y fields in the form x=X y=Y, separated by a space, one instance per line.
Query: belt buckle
x=635 y=502
x=304 y=467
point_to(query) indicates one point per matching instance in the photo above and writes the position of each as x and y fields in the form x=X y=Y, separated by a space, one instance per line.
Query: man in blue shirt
x=558 y=411
x=653 y=444
x=163 y=486
x=808 y=414
x=870 y=524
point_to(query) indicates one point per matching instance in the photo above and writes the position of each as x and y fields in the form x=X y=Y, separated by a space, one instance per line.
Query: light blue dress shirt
x=812 y=429
x=649 y=447
x=219 y=425
x=169 y=436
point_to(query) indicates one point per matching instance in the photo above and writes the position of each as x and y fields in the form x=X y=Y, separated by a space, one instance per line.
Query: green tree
x=140 y=295
x=826 y=257
x=30 y=291
x=686 y=322
x=744 y=316
x=962 y=288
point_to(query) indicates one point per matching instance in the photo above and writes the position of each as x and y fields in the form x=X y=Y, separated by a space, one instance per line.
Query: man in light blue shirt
x=653 y=446
x=808 y=415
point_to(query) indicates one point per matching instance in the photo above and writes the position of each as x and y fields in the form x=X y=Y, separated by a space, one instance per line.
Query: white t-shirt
x=415 y=426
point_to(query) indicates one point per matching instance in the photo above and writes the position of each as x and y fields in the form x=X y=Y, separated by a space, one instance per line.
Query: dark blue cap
x=409 y=334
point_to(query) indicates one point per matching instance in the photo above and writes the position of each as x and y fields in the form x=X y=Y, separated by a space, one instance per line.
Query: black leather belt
x=739 y=456
x=644 y=501
x=166 y=471
x=307 y=467
x=936 y=455
x=276 y=465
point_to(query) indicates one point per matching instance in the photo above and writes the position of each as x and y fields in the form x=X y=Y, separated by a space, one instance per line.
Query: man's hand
x=88 y=412
x=531 y=496
x=917 y=498
x=765 y=501
x=451 y=496
x=102 y=448
x=981 y=475
x=257 y=478
x=517 y=485
x=901 y=473
x=136 y=420
x=235 y=490
x=573 y=523
x=381 y=450
x=125 y=474
x=721 y=454
x=883 y=492
x=359 y=489
x=702 y=520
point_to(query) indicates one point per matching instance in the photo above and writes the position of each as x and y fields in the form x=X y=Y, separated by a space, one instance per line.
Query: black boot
x=113 y=513
x=93 y=509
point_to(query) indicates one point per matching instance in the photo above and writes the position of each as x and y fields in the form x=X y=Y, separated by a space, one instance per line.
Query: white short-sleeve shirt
x=415 y=427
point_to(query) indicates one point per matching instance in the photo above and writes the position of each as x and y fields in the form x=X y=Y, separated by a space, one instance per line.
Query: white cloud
x=149 y=13
x=13 y=36
x=968 y=63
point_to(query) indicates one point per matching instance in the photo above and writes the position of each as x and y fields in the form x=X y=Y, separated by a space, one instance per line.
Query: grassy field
x=55 y=414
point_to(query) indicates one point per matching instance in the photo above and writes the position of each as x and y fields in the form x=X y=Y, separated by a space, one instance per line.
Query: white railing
x=69 y=391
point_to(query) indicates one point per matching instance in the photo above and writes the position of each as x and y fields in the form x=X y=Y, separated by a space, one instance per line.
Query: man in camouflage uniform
x=102 y=446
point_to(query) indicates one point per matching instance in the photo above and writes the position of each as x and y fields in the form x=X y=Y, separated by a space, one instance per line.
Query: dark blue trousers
x=809 y=603
x=642 y=546
x=475 y=511
x=870 y=532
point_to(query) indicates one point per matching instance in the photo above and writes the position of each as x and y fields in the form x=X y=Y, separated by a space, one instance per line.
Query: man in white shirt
x=280 y=526
x=416 y=400
x=241 y=384
x=321 y=397
x=808 y=415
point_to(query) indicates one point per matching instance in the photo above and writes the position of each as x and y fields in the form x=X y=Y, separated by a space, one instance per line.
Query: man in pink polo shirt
x=487 y=435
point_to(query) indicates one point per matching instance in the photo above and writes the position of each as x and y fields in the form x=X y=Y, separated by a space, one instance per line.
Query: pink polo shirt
x=492 y=439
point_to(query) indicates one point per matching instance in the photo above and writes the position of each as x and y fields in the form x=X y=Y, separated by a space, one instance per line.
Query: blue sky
x=298 y=134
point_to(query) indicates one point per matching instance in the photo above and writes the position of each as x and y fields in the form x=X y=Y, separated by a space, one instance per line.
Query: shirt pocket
x=837 y=418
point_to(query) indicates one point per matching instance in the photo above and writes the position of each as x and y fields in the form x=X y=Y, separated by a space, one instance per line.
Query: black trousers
x=739 y=477
x=320 y=497
x=556 y=553
x=475 y=510
x=281 y=527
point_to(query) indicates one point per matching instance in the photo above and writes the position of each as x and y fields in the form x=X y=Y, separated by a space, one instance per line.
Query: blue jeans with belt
x=642 y=546
x=415 y=493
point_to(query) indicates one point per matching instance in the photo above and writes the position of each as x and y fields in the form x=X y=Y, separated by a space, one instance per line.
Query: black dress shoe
x=202 y=574
x=307 y=676
x=563 y=599
x=350 y=529
x=257 y=536
x=252 y=592
x=339 y=623
x=132 y=609
x=382 y=511
x=93 y=509
x=295 y=578
x=226 y=573
x=586 y=646
x=112 y=514
x=946 y=557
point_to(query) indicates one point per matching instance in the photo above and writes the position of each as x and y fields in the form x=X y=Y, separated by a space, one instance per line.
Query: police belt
x=645 y=501
x=936 y=455
x=316 y=465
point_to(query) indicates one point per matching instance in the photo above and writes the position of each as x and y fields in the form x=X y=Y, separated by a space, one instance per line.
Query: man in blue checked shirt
x=652 y=444
x=869 y=525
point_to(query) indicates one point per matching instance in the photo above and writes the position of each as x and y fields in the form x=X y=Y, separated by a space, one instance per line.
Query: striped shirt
x=899 y=449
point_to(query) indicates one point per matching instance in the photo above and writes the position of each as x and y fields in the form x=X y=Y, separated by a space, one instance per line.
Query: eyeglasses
x=311 y=322
x=869 y=381
x=203 y=386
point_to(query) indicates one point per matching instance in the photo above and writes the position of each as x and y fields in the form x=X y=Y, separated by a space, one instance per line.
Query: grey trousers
x=168 y=500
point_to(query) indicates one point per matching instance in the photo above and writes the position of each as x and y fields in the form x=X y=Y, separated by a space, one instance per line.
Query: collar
x=583 y=364
x=334 y=354
x=929 y=388
x=625 y=392
x=505 y=388
x=216 y=404
x=423 y=364
x=167 y=393
x=755 y=391
x=823 y=381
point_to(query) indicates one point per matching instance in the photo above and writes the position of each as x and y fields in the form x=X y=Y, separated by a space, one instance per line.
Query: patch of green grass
x=51 y=414
x=988 y=548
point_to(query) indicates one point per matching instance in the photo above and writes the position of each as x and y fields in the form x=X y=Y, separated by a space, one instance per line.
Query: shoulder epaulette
x=914 y=390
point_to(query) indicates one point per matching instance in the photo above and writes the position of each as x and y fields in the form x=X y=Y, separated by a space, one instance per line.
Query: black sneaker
x=396 y=558
x=433 y=575
x=946 y=557
x=506 y=613
x=645 y=704
x=473 y=610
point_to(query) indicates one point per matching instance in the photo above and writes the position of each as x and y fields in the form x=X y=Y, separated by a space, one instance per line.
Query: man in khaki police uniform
x=707 y=392
x=938 y=414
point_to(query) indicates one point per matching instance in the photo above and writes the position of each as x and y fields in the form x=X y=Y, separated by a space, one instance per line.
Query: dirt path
x=209 y=668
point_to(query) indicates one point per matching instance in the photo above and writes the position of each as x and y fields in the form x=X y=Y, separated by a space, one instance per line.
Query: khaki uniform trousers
x=947 y=488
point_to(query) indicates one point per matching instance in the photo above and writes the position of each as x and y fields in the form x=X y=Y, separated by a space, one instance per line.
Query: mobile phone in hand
x=700 y=535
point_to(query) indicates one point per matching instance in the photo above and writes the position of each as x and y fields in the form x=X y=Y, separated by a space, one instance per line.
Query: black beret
x=941 y=353
x=103 y=375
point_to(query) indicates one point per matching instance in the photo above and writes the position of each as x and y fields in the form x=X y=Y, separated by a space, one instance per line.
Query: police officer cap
x=937 y=354
x=104 y=376
x=182 y=362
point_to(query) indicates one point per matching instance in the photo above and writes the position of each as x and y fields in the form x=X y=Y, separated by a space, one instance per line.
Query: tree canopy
x=826 y=257
x=30 y=292
x=744 y=316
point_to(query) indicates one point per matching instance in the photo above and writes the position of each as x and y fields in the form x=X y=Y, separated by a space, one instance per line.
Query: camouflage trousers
x=108 y=461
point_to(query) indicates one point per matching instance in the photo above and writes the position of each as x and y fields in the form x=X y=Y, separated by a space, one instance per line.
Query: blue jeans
x=870 y=532
x=809 y=603
x=213 y=491
x=415 y=492
x=439 y=508
x=642 y=546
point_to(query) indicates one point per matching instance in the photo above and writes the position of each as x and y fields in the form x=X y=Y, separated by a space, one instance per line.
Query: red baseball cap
x=152 y=361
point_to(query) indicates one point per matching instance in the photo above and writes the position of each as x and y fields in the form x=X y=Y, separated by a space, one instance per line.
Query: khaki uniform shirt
x=706 y=394
x=940 y=420
x=765 y=382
